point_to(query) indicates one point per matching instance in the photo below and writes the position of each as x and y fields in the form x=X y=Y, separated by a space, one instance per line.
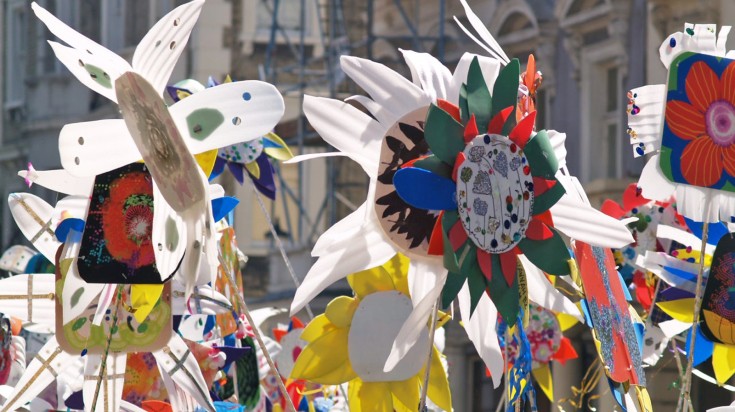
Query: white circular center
x=375 y=326
x=494 y=193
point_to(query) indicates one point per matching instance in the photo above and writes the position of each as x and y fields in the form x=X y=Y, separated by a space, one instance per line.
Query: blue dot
x=486 y=139
x=672 y=42
x=732 y=219
x=514 y=218
x=84 y=351
x=246 y=96
x=507 y=224
x=639 y=151
x=493 y=243
x=634 y=210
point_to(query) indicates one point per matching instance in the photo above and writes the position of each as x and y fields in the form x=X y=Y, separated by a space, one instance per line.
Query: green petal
x=505 y=92
x=479 y=101
x=464 y=111
x=477 y=285
x=541 y=156
x=505 y=298
x=451 y=288
x=545 y=201
x=450 y=259
x=444 y=135
x=550 y=255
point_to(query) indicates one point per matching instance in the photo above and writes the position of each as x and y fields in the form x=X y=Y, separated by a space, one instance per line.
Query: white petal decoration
x=15 y=258
x=210 y=301
x=168 y=235
x=646 y=125
x=345 y=229
x=59 y=180
x=542 y=292
x=428 y=73
x=77 y=293
x=654 y=185
x=177 y=362
x=110 y=381
x=703 y=40
x=158 y=52
x=481 y=331
x=683 y=237
x=395 y=94
x=426 y=280
x=29 y=298
x=582 y=222
x=87 y=149
x=347 y=129
x=42 y=370
x=487 y=41
x=558 y=141
x=373 y=108
x=368 y=250
x=673 y=327
x=33 y=217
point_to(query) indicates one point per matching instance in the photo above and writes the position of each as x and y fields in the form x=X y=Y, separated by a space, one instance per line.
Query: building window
x=137 y=21
x=604 y=122
x=16 y=46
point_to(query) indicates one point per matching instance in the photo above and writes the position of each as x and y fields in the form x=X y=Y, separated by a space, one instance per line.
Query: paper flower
x=505 y=166
x=251 y=156
x=687 y=125
x=351 y=340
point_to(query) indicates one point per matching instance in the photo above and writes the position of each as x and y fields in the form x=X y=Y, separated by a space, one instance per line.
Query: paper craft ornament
x=494 y=186
x=717 y=316
x=684 y=127
x=16 y=259
x=346 y=344
x=611 y=319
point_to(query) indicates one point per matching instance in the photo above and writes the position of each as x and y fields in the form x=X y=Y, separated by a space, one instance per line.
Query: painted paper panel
x=718 y=302
x=698 y=139
x=228 y=250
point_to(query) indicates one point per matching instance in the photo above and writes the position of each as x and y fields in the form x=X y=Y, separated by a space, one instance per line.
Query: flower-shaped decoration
x=688 y=125
x=546 y=343
x=494 y=189
x=251 y=156
x=351 y=340
x=530 y=82
x=649 y=214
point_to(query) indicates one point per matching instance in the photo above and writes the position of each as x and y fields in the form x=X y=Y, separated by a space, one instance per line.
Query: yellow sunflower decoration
x=350 y=342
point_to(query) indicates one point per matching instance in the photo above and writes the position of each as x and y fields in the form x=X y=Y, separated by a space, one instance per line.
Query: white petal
x=426 y=280
x=158 y=52
x=60 y=180
x=359 y=253
x=110 y=386
x=74 y=285
x=654 y=185
x=487 y=38
x=481 y=331
x=374 y=108
x=33 y=217
x=92 y=148
x=177 y=362
x=341 y=231
x=80 y=63
x=428 y=73
x=541 y=292
x=578 y=220
x=394 y=93
x=673 y=327
x=685 y=238
x=41 y=309
x=647 y=125
x=558 y=145
x=347 y=129
x=168 y=231
x=39 y=375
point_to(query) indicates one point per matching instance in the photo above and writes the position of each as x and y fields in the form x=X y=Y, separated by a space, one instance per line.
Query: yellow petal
x=228 y=79
x=644 y=400
x=371 y=397
x=722 y=329
x=723 y=362
x=205 y=160
x=397 y=269
x=438 y=384
x=370 y=281
x=279 y=153
x=542 y=375
x=341 y=310
x=325 y=360
x=253 y=168
x=566 y=321
x=353 y=395
x=405 y=394
x=316 y=328
x=681 y=310
x=143 y=298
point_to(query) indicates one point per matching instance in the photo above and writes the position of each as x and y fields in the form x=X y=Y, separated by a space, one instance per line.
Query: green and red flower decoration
x=492 y=190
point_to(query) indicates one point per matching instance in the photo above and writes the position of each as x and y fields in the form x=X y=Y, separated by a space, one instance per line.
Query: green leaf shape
x=541 y=156
x=505 y=298
x=201 y=123
x=464 y=111
x=451 y=288
x=450 y=259
x=434 y=165
x=444 y=135
x=477 y=284
x=550 y=255
x=505 y=93
x=479 y=101
x=544 y=202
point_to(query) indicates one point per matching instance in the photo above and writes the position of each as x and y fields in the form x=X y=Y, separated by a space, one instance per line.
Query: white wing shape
x=177 y=362
x=33 y=216
x=59 y=180
x=29 y=298
x=103 y=389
